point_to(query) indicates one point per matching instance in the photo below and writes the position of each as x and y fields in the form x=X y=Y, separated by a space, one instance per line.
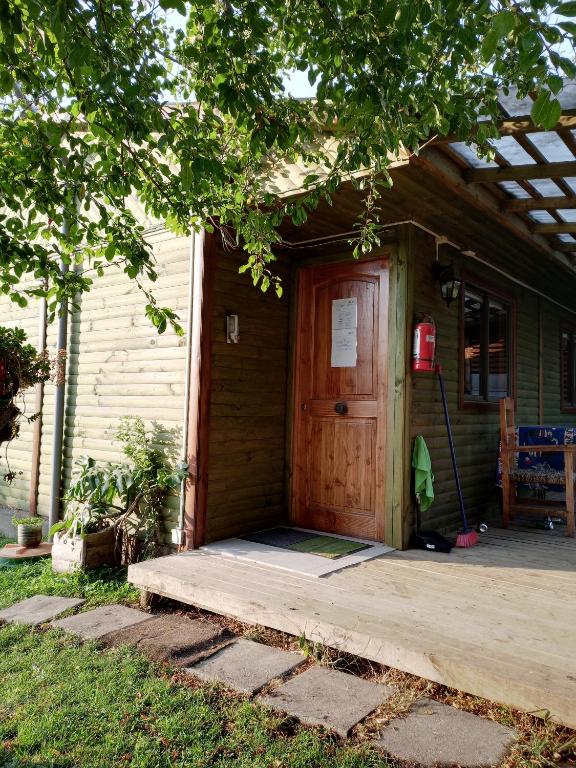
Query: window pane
x=472 y=341
x=498 y=353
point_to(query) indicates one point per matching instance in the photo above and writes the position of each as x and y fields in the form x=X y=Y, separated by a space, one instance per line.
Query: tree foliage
x=183 y=104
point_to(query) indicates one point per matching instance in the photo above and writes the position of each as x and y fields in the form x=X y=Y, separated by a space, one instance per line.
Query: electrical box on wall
x=232 y=329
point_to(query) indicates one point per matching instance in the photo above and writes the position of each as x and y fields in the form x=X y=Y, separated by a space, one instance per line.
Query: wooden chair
x=513 y=476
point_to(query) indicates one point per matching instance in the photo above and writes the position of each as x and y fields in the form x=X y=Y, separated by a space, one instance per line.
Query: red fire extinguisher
x=424 y=347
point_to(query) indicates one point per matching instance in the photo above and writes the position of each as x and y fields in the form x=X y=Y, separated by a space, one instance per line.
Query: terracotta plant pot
x=29 y=536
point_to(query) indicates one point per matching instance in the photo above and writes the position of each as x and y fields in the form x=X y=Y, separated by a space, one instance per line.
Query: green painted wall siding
x=476 y=433
x=118 y=365
x=248 y=402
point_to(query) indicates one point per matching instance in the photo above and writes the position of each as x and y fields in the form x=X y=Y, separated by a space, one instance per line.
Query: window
x=568 y=368
x=487 y=327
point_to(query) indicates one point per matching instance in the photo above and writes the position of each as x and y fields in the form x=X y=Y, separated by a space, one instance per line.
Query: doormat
x=304 y=541
x=259 y=552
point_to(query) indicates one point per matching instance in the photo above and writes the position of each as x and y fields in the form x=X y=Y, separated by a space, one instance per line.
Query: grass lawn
x=64 y=703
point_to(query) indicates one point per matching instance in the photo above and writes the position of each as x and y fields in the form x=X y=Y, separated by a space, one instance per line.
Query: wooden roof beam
x=565 y=247
x=523 y=124
x=539 y=204
x=520 y=172
x=509 y=126
x=562 y=228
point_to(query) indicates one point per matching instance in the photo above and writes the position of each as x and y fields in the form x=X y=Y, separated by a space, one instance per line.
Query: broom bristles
x=467 y=538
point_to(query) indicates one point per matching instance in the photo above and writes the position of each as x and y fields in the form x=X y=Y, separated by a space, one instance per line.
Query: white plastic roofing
x=550 y=207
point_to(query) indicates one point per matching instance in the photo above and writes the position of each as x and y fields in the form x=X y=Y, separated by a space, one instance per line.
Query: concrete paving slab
x=38 y=609
x=434 y=734
x=335 y=700
x=177 y=640
x=246 y=666
x=101 y=621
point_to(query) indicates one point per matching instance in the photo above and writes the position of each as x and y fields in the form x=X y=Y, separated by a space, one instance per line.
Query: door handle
x=341 y=408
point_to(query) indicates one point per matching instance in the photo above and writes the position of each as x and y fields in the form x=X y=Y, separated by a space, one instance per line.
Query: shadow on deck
x=497 y=621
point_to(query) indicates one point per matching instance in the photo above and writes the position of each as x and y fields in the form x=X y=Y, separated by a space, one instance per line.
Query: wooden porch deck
x=498 y=620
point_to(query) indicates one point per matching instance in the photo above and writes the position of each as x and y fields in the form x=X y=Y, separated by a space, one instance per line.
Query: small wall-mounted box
x=232 y=329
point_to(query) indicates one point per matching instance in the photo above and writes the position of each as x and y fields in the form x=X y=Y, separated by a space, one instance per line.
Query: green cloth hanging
x=423 y=475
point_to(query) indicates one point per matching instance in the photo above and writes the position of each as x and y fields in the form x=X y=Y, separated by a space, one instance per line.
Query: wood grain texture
x=412 y=610
x=248 y=397
x=338 y=482
x=476 y=434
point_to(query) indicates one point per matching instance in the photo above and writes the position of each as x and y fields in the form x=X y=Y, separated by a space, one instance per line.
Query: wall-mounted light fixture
x=447 y=276
x=232 y=329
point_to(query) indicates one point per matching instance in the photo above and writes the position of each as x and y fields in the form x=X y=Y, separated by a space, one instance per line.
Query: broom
x=466 y=536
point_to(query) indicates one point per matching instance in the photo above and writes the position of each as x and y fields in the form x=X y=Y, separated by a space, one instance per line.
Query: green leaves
x=566 y=9
x=546 y=111
x=99 y=111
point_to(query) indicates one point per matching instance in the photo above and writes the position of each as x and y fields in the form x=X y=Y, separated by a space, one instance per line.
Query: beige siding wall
x=476 y=433
x=246 y=460
x=118 y=365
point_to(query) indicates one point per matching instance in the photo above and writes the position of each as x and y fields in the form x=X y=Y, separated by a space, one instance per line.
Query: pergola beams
x=538 y=203
x=520 y=172
x=531 y=179
x=559 y=228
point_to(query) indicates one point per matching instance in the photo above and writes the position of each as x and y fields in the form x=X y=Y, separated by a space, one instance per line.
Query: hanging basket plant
x=21 y=367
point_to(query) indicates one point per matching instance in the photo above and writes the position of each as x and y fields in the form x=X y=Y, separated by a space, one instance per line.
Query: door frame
x=383 y=509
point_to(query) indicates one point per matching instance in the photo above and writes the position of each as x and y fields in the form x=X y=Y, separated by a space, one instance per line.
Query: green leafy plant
x=29 y=521
x=21 y=367
x=128 y=496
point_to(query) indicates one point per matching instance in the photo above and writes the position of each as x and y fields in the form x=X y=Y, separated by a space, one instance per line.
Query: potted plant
x=29 y=531
x=113 y=510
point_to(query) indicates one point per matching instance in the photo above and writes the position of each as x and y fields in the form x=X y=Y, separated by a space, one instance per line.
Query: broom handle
x=452 y=451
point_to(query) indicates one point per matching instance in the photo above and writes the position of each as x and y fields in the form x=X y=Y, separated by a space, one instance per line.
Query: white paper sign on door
x=344 y=333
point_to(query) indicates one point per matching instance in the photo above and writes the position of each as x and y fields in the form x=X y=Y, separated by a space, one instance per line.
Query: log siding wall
x=118 y=365
x=247 y=424
x=476 y=432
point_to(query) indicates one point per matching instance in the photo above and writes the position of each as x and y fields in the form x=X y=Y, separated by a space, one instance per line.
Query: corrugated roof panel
x=514 y=189
x=467 y=153
x=542 y=217
x=546 y=187
x=551 y=146
x=567 y=98
x=568 y=214
x=511 y=151
x=514 y=106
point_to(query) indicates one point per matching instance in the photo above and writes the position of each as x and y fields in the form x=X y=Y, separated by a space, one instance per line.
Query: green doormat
x=327 y=546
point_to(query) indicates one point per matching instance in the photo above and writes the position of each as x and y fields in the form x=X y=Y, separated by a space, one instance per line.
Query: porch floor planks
x=497 y=621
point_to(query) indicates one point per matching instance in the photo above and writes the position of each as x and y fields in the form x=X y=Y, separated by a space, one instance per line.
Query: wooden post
x=195 y=499
x=399 y=390
x=569 y=470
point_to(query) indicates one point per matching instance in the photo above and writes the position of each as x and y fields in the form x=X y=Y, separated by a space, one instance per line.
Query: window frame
x=487 y=291
x=565 y=407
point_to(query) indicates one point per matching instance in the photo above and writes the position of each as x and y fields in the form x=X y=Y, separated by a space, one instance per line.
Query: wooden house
x=303 y=411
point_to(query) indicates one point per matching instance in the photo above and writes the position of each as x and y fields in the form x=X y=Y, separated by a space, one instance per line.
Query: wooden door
x=339 y=407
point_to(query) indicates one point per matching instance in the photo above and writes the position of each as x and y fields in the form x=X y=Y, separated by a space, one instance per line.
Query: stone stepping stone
x=434 y=734
x=38 y=609
x=177 y=640
x=335 y=700
x=101 y=621
x=246 y=666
